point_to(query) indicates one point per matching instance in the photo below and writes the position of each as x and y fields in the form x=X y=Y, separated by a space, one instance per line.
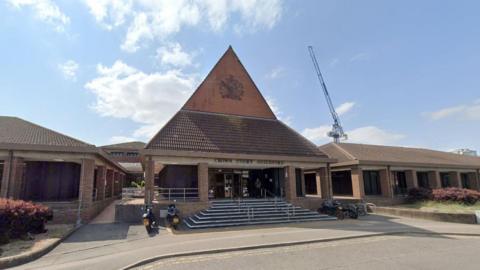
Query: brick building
x=37 y=164
x=226 y=142
x=128 y=156
x=383 y=174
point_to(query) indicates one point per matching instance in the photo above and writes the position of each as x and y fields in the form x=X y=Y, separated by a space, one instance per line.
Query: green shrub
x=17 y=218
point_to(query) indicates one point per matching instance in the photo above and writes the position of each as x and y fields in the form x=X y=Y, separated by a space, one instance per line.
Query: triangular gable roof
x=229 y=89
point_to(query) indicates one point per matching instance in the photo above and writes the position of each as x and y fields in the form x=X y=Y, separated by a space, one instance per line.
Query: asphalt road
x=381 y=252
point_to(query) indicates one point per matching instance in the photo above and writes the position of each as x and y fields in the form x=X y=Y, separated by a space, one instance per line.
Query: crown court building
x=226 y=142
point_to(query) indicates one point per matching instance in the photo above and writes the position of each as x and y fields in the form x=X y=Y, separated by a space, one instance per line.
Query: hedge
x=459 y=195
x=18 y=218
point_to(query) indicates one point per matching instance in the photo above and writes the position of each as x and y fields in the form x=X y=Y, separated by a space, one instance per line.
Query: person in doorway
x=258 y=186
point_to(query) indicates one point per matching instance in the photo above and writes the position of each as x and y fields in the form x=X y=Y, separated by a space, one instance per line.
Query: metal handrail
x=176 y=193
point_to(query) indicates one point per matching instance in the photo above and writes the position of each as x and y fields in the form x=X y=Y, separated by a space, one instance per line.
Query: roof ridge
x=348 y=154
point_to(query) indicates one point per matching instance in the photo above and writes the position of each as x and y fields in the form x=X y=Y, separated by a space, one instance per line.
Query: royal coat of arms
x=231 y=88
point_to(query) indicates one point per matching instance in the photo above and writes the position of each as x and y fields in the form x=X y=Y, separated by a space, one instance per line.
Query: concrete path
x=107 y=215
x=113 y=246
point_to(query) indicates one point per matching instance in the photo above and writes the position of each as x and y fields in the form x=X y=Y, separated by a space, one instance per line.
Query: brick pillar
x=385 y=184
x=149 y=179
x=318 y=182
x=101 y=178
x=202 y=175
x=6 y=171
x=474 y=179
x=302 y=177
x=324 y=183
x=455 y=179
x=434 y=179
x=411 y=177
x=17 y=180
x=357 y=183
x=290 y=183
x=86 y=182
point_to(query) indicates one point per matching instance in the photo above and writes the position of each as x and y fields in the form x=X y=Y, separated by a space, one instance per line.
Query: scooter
x=173 y=218
x=148 y=218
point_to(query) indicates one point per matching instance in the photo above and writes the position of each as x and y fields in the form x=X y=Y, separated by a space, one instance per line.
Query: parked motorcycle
x=335 y=208
x=173 y=219
x=332 y=208
x=148 y=218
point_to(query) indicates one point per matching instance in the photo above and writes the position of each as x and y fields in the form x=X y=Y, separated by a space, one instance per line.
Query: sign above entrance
x=249 y=161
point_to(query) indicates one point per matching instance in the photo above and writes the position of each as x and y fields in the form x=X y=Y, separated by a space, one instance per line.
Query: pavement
x=372 y=253
x=116 y=245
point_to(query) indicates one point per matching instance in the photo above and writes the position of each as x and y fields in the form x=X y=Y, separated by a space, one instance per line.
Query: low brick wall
x=67 y=211
x=130 y=211
x=385 y=201
x=413 y=213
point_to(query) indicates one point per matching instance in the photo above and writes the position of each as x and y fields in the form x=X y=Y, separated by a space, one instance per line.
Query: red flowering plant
x=18 y=218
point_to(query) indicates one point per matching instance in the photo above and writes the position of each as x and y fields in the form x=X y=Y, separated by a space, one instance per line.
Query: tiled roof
x=209 y=132
x=394 y=154
x=17 y=131
x=126 y=145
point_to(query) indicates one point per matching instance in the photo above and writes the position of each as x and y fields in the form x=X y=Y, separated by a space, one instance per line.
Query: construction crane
x=337 y=131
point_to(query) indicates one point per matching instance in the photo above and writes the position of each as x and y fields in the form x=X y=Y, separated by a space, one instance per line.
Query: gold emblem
x=231 y=88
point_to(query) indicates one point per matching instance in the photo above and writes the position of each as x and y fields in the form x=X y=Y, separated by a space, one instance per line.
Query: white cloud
x=158 y=19
x=276 y=73
x=276 y=110
x=121 y=139
x=44 y=10
x=368 y=135
x=123 y=91
x=110 y=13
x=173 y=55
x=374 y=135
x=464 y=112
x=69 y=69
x=344 y=107
x=360 y=57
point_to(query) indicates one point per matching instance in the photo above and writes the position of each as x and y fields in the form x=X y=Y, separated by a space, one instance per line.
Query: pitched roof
x=127 y=145
x=222 y=133
x=229 y=89
x=366 y=153
x=16 y=131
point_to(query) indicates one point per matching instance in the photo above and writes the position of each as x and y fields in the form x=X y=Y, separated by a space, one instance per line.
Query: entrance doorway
x=241 y=183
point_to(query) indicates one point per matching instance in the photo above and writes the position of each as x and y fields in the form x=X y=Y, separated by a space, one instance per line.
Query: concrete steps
x=226 y=213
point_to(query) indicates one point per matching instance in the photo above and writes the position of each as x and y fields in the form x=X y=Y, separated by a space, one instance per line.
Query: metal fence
x=133 y=192
x=178 y=194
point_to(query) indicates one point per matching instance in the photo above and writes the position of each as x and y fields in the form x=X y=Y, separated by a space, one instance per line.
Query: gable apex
x=229 y=89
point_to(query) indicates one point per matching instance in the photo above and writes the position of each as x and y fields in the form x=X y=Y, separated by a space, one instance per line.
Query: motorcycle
x=335 y=208
x=148 y=218
x=332 y=208
x=173 y=219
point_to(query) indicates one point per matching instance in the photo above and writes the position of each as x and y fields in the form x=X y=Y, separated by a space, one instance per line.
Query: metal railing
x=170 y=194
x=133 y=192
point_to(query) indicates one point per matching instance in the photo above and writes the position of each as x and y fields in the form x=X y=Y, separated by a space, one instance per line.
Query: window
x=465 y=182
x=399 y=183
x=371 y=182
x=422 y=178
x=117 y=154
x=311 y=183
x=445 y=179
x=132 y=154
x=342 y=183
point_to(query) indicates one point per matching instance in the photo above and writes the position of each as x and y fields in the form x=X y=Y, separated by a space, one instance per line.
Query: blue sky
x=401 y=73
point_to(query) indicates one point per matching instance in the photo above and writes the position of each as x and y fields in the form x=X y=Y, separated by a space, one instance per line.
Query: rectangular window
x=465 y=182
x=445 y=179
x=311 y=183
x=371 y=182
x=422 y=178
x=400 y=183
x=117 y=154
x=132 y=154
